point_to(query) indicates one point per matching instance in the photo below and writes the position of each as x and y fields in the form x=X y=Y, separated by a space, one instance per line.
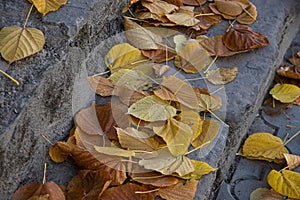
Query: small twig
x=217 y=90
x=218 y=118
x=230 y=25
x=147 y=177
x=43 y=136
x=27 y=17
x=211 y=64
x=102 y=73
x=285 y=138
x=201 y=146
x=145 y=192
x=11 y=78
x=246 y=11
x=286 y=115
x=131 y=12
x=204 y=14
x=291 y=126
x=195 y=79
x=295 y=135
x=44 y=176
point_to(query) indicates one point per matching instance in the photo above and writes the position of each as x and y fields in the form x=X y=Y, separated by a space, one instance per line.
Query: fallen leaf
x=180 y=191
x=177 y=135
x=286 y=183
x=17 y=43
x=222 y=76
x=159 y=70
x=264 y=146
x=293 y=161
x=266 y=194
x=152 y=108
x=215 y=47
x=209 y=103
x=57 y=155
x=45 y=6
x=194 y=2
x=155 y=179
x=286 y=93
x=180 y=41
x=193 y=120
x=88 y=184
x=242 y=38
x=184 y=16
x=248 y=16
x=210 y=130
x=201 y=169
x=128 y=191
x=141 y=37
x=231 y=8
x=102 y=86
x=129 y=96
x=192 y=58
x=177 y=3
x=151 y=16
x=295 y=61
x=159 y=7
x=164 y=162
x=289 y=72
x=159 y=55
x=206 y=21
x=114 y=151
x=45 y=191
x=285 y=80
x=274 y=107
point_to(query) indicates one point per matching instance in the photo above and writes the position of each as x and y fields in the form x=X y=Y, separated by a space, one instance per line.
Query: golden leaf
x=264 y=146
x=45 y=6
x=193 y=120
x=17 y=43
x=286 y=183
x=293 y=161
x=159 y=70
x=151 y=108
x=286 y=93
x=222 y=76
x=57 y=155
x=159 y=7
x=177 y=135
x=208 y=103
x=201 y=169
x=180 y=191
x=209 y=132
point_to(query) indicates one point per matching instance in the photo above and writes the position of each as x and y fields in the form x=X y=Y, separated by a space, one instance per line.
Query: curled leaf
x=293 y=161
x=286 y=93
x=289 y=72
x=183 y=17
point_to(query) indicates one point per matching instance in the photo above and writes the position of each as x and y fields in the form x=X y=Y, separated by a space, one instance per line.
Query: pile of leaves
x=286 y=92
x=265 y=146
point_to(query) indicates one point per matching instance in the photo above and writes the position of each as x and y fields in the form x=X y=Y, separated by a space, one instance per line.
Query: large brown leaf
x=206 y=21
x=159 y=55
x=242 y=38
x=183 y=17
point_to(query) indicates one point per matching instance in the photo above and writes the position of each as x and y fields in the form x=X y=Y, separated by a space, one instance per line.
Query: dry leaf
x=183 y=17
x=57 y=155
x=129 y=96
x=180 y=191
x=231 y=8
x=210 y=130
x=102 y=86
x=209 y=103
x=151 y=16
x=88 y=185
x=45 y=6
x=248 y=16
x=201 y=169
x=289 y=72
x=128 y=191
x=266 y=194
x=215 y=47
x=177 y=135
x=114 y=151
x=295 y=61
x=286 y=93
x=141 y=37
x=159 y=70
x=293 y=161
x=283 y=80
x=49 y=191
x=193 y=120
x=264 y=146
x=286 y=183
x=159 y=7
x=159 y=55
x=206 y=21
x=164 y=162
x=177 y=3
x=152 y=108
x=192 y=58
x=17 y=43
x=269 y=109
x=155 y=179
x=194 y=2
x=242 y=38
x=222 y=76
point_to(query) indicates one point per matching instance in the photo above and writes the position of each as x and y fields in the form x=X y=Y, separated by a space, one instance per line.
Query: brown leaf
x=159 y=70
x=47 y=191
x=242 y=38
x=210 y=130
x=231 y=8
x=289 y=72
x=57 y=155
x=206 y=21
x=88 y=184
x=194 y=2
x=248 y=16
x=184 y=16
x=159 y=55
x=181 y=191
x=102 y=86
x=215 y=47
x=274 y=107
x=128 y=96
x=155 y=179
x=222 y=76
x=284 y=80
x=128 y=191
x=177 y=3
x=295 y=61
x=159 y=7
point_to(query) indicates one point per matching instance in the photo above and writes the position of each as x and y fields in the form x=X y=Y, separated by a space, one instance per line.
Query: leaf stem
x=205 y=14
x=145 y=192
x=147 y=177
x=100 y=74
x=27 y=17
x=230 y=25
x=43 y=136
x=11 y=78
x=211 y=64
x=295 y=135
x=201 y=146
x=218 y=118
x=195 y=79
x=246 y=11
x=291 y=126
x=44 y=176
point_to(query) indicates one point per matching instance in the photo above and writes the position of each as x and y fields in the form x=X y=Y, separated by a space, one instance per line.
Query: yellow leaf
x=45 y=6
x=164 y=162
x=194 y=121
x=177 y=135
x=222 y=76
x=114 y=151
x=264 y=146
x=201 y=168
x=192 y=58
x=286 y=183
x=151 y=108
x=286 y=93
x=293 y=161
x=57 y=155
x=209 y=132
x=17 y=43
x=123 y=55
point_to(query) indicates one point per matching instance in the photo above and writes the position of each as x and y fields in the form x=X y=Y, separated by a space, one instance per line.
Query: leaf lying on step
x=45 y=191
x=285 y=182
x=221 y=76
x=201 y=169
x=286 y=93
x=266 y=194
x=155 y=179
x=45 y=6
x=264 y=146
x=210 y=130
x=249 y=15
x=102 y=86
x=289 y=71
x=193 y=2
x=159 y=7
x=17 y=43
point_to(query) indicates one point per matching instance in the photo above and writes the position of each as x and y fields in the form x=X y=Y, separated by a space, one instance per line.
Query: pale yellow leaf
x=222 y=76
x=152 y=108
x=264 y=146
x=266 y=194
x=184 y=17
x=286 y=183
x=45 y=6
x=17 y=43
x=286 y=93
x=201 y=169
x=293 y=161
x=208 y=103
x=114 y=151
x=159 y=7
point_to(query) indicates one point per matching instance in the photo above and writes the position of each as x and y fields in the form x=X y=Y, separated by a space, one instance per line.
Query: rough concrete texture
x=43 y=103
x=251 y=174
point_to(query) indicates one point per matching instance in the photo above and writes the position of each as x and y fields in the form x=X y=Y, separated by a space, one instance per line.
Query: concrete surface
x=43 y=103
